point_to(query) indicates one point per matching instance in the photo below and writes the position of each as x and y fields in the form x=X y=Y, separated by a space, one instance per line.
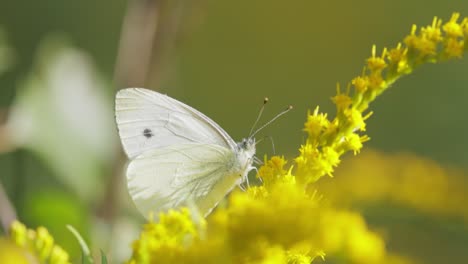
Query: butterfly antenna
x=265 y=101
x=272 y=120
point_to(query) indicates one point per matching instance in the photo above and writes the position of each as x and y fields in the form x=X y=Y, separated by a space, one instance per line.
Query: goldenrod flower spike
x=322 y=151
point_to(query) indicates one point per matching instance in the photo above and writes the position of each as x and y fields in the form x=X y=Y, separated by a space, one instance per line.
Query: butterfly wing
x=147 y=120
x=184 y=174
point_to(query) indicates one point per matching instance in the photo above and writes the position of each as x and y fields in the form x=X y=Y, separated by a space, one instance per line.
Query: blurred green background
x=61 y=163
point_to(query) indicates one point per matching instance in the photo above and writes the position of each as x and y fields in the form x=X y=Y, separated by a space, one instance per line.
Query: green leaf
x=103 y=258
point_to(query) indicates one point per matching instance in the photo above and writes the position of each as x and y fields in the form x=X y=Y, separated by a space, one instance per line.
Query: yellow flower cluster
x=282 y=221
x=164 y=241
x=12 y=253
x=39 y=243
x=329 y=139
x=422 y=184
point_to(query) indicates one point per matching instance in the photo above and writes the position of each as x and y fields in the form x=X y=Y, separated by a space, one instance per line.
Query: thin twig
x=136 y=43
x=6 y=144
x=165 y=40
x=7 y=211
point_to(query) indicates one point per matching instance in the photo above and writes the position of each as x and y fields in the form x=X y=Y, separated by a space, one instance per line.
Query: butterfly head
x=245 y=157
x=247 y=146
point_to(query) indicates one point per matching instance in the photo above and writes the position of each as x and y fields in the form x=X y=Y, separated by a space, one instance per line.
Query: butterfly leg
x=258 y=177
x=241 y=186
x=247 y=181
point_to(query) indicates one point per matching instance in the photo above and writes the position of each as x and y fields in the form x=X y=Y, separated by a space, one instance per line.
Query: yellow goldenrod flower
x=398 y=62
x=464 y=24
x=353 y=142
x=158 y=241
x=38 y=243
x=376 y=83
x=420 y=47
x=360 y=83
x=377 y=64
x=429 y=44
x=12 y=253
x=342 y=101
x=272 y=170
x=452 y=28
x=44 y=243
x=58 y=256
x=454 y=48
x=346 y=231
x=444 y=189
x=316 y=124
x=433 y=32
x=18 y=233
x=354 y=120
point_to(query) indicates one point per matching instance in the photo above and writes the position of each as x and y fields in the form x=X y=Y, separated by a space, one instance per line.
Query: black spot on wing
x=148 y=133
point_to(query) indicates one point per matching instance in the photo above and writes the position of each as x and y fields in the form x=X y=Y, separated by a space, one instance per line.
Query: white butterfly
x=178 y=155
